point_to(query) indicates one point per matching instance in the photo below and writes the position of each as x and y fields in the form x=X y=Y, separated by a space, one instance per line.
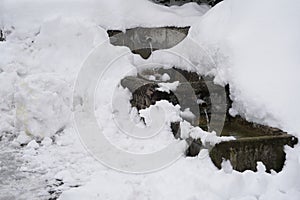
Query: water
x=207 y=120
x=239 y=131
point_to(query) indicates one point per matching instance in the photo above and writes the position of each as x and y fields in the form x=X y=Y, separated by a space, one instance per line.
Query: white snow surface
x=167 y=87
x=255 y=46
x=261 y=42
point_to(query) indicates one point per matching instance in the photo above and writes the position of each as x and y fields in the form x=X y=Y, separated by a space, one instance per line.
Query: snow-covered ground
x=254 y=45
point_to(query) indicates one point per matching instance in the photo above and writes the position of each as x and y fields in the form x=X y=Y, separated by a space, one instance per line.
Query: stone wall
x=145 y=40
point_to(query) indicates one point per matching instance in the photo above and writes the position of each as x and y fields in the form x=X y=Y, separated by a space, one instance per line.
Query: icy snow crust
x=254 y=45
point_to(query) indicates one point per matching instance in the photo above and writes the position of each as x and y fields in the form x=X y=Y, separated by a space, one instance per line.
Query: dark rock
x=144 y=93
x=194 y=148
x=182 y=2
x=254 y=142
x=2 y=38
x=244 y=153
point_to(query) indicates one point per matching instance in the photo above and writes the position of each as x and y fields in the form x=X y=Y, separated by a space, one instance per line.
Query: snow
x=23 y=138
x=165 y=77
x=207 y=138
x=261 y=42
x=109 y=15
x=254 y=46
x=42 y=104
x=187 y=114
x=33 y=144
x=167 y=87
x=151 y=136
x=46 y=141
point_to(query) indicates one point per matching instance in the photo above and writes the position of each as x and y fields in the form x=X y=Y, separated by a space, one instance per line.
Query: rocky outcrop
x=207 y=101
x=254 y=142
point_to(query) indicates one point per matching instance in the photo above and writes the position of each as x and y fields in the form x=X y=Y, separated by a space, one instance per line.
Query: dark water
x=239 y=131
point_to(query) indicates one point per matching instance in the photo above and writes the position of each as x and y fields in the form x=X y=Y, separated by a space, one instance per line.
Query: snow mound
x=42 y=105
x=256 y=48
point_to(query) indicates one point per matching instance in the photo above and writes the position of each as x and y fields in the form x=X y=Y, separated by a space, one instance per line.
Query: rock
x=254 y=142
x=244 y=153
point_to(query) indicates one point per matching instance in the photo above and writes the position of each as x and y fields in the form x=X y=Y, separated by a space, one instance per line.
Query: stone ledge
x=244 y=153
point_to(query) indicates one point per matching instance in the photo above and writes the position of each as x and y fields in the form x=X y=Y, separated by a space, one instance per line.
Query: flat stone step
x=244 y=153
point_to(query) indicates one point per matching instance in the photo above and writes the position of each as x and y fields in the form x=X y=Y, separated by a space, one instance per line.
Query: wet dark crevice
x=2 y=37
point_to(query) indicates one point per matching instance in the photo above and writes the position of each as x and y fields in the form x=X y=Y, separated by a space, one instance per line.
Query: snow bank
x=55 y=37
x=42 y=105
x=7 y=89
x=261 y=44
x=38 y=71
x=114 y=14
x=192 y=178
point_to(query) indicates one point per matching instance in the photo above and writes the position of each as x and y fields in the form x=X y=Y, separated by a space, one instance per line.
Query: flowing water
x=207 y=119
